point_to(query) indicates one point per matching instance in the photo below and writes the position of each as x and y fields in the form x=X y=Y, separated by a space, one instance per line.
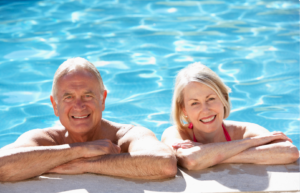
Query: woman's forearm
x=274 y=153
x=206 y=155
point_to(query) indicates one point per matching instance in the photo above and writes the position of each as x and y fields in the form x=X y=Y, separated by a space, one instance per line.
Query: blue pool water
x=139 y=46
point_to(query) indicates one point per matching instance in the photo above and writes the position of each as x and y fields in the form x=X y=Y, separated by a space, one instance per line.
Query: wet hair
x=197 y=72
x=75 y=64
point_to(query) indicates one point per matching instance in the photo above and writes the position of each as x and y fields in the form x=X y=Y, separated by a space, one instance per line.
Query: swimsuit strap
x=195 y=140
x=227 y=136
x=226 y=133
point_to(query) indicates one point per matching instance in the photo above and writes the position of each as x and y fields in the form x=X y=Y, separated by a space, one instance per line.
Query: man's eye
x=68 y=98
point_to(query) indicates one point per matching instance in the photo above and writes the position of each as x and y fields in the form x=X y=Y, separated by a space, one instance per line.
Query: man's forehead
x=72 y=73
x=75 y=80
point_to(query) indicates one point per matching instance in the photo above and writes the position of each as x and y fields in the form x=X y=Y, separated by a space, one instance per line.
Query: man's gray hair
x=74 y=64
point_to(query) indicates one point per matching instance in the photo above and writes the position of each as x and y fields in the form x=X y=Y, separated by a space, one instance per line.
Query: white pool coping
x=221 y=178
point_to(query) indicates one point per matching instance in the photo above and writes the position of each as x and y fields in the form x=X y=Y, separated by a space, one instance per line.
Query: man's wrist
x=77 y=150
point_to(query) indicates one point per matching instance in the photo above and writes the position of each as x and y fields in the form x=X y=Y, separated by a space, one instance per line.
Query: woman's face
x=203 y=107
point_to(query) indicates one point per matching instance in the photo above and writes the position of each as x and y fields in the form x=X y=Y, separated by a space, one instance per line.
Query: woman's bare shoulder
x=173 y=132
x=241 y=130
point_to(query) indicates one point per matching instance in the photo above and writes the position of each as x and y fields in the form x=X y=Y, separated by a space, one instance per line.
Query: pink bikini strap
x=226 y=133
x=195 y=140
x=227 y=136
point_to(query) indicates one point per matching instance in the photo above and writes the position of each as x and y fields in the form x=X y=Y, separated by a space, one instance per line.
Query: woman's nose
x=205 y=107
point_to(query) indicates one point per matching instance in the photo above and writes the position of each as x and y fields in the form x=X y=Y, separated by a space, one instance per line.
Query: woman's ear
x=184 y=111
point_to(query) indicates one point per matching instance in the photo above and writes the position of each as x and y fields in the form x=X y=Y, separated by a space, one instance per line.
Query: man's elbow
x=169 y=168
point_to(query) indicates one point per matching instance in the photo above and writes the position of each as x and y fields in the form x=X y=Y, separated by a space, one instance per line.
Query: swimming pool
x=139 y=46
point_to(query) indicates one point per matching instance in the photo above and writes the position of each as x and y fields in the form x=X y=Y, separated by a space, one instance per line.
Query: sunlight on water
x=139 y=47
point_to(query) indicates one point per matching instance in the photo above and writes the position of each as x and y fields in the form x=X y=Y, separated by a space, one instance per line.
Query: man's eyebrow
x=66 y=94
x=89 y=92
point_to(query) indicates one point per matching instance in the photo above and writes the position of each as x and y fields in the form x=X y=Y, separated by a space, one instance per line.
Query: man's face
x=78 y=101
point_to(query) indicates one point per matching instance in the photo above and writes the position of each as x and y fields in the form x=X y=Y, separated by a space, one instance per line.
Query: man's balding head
x=75 y=64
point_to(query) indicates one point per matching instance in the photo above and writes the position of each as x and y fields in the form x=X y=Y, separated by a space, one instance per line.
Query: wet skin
x=203 y=108
x=78 y=103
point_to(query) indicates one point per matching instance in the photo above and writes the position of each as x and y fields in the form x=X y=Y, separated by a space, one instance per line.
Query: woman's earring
x=190 y=125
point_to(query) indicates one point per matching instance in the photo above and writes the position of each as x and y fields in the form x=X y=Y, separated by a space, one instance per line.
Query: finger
x=116 y=149
x=290 y=140
x=176 y=146
x=186 y=146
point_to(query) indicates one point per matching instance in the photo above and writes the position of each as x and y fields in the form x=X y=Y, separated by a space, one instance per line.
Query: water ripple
x=139 y=47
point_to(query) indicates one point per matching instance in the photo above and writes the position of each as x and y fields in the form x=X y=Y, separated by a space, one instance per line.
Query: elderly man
x=86 y=143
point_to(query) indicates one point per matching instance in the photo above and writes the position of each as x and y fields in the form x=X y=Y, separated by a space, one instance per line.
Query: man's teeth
x=207 y=120
x=80 y=117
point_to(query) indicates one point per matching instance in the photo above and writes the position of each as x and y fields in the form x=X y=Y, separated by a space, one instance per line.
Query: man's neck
x=92 y=135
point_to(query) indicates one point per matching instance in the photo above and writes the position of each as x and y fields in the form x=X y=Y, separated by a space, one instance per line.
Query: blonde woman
x=201 y=137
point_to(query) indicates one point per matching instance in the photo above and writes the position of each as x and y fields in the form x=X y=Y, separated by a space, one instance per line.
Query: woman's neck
x=212 y=137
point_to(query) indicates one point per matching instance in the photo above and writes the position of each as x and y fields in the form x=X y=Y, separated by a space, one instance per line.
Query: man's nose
x=79 y=104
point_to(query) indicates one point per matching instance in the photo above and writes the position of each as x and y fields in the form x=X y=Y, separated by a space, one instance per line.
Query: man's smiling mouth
x=80 y=117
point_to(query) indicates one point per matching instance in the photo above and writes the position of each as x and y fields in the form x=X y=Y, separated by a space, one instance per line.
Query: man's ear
x=103 y=99
x=54 y=105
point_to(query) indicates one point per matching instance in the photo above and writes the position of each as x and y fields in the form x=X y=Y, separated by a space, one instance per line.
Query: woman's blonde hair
x=197 y=72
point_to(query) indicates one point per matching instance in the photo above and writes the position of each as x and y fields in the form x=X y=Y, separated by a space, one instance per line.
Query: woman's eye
x=194 y=103
x=211 y=99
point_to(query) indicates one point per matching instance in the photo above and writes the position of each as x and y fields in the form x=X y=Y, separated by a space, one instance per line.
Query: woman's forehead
x=197 y=89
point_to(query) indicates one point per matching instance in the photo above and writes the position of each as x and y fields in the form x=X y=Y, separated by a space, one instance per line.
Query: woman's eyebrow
x=210 y=95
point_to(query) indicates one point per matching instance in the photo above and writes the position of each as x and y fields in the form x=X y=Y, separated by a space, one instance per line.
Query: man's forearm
x=26 y=162
x=274 y=153
x=130 y=165
x=135 y=165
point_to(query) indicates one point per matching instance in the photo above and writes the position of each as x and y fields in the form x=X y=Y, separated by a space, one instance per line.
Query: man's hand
x=73 y=167
x=98 y=147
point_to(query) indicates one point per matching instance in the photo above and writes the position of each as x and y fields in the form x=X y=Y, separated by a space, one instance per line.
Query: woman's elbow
x=189 y=162
x=293 y=155
x=290 y=153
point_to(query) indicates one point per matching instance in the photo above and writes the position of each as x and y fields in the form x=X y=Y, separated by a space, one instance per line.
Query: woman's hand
x=185 y=144
x=270 y=137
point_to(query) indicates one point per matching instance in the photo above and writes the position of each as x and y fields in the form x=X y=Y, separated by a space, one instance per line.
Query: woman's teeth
x=208 y=120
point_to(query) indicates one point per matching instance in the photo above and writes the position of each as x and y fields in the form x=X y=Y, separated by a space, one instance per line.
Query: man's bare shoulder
x=39 y=137
x=127 y=133
x=118 y=129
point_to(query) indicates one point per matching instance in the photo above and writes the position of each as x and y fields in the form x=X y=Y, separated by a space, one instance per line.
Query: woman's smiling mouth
x=207 y=120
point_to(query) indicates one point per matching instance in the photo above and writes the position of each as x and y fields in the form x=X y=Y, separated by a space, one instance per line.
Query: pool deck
x=221 y=178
